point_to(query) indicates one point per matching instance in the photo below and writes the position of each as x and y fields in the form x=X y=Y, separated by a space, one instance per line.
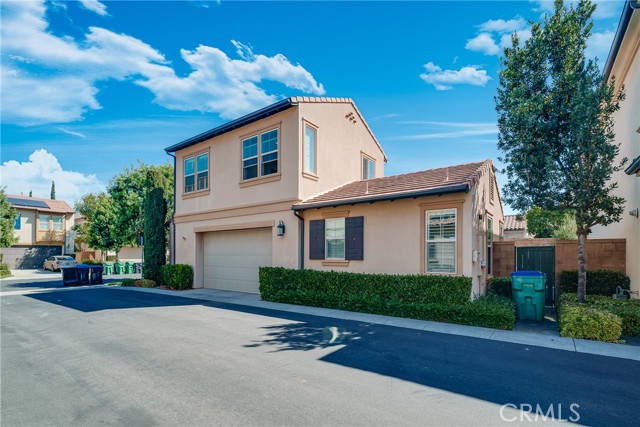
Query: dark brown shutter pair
x=354 y=238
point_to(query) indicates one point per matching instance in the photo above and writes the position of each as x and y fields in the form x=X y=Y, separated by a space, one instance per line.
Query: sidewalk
x=527 y=337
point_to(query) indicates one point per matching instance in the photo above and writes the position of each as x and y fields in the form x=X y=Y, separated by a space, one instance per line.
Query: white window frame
x=44 y=225
x=343 y=238
x=311 y=150
x=54 y=222
x=368 y=172
x=436 y=241
x=489 y=245
x=260 y=154
x=200 y=176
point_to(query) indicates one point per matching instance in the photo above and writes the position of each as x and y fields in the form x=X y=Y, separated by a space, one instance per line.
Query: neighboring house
x=84 y=252
x=624 y=64
x=43 y=229
x=515 y=227
x=300 y=184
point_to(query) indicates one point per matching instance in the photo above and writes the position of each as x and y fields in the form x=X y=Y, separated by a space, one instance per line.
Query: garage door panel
x=232 y=258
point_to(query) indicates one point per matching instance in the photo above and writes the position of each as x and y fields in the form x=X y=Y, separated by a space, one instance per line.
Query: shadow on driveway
x=503 y=373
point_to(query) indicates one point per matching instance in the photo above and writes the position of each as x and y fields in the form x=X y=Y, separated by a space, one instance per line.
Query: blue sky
x=90 y=87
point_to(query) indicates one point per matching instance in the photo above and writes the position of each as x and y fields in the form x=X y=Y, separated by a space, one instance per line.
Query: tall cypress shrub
x=154 y=235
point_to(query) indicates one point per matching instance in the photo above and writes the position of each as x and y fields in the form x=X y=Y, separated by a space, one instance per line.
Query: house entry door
x=541 y=258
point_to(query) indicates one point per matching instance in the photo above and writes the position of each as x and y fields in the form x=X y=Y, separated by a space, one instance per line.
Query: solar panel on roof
x=27 y=203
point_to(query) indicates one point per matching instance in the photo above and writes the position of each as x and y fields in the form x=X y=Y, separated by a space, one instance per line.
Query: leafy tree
x=129 y=190
x=100 y=231
x=154 y=233
x=8 y=215
x=557 y=224
x=556 y=126
x=53 y=190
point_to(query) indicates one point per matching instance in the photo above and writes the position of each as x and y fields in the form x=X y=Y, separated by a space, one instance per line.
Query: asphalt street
x=112 y=356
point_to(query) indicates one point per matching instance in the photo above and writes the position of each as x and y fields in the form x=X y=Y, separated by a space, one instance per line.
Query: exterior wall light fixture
x=280 y=231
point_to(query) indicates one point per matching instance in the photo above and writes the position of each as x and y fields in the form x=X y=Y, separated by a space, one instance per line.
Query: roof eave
x=384 y=197
x=617 y=40
x=634 y=167
x=234 y=124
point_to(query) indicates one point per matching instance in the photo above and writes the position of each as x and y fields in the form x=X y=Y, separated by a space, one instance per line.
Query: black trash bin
x=137 y=268
x=83 y=274
x=96 y=274
x=69 y=276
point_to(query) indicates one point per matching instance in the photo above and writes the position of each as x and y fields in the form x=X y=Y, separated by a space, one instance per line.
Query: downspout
x=300 y=240
x=172 y=248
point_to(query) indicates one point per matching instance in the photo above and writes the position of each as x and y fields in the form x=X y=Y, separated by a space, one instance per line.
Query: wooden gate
x=539 y=258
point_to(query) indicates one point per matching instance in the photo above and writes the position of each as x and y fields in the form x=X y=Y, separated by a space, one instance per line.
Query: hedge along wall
x=602 y=254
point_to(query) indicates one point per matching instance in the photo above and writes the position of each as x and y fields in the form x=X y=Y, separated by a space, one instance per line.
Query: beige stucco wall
x=340 y=145
x=29 y=226
x=627 y=124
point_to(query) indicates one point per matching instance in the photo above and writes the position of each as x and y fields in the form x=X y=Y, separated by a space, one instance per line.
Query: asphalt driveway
x=111 y=356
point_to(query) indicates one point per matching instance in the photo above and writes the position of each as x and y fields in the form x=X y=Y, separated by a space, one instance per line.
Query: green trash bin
x=108 y=268
x=128 y=267
x=528 y=294
x=119 y=268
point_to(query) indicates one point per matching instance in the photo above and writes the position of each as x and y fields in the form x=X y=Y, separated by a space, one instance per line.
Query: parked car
x=55 y=262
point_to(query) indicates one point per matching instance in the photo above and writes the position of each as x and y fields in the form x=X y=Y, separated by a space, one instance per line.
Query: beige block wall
x=627 y=124
x=340 y=145
x=189 y=237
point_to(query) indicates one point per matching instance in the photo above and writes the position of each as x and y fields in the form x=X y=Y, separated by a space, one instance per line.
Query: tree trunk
x=582 y=267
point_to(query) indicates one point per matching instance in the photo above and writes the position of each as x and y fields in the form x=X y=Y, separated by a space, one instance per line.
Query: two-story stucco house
x=623 y=63
x=301 y=184
x=42 y=229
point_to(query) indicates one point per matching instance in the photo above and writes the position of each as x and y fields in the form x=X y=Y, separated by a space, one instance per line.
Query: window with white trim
x=489 y=244
x=441 y=241
x=334 y=238
x=309 y=149
x=18 y=224
x=368 y=168
x=43 y=222
x=57 y=223
x=196 y=173
x=260 y=155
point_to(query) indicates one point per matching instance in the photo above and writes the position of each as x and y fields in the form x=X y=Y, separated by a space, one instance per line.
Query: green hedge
x=627 y=310
x=599 y=282
x=501 y=286
x=587 y=322
x=4 y=270
x=92 y=262
x=438 y=298
x=139 y=283
x=177 y=276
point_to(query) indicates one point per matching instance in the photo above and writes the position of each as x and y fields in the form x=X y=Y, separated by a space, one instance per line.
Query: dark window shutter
x=354 y=236
x=316 y=239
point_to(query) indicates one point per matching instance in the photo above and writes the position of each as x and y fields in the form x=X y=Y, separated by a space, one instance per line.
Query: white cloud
x=448 y=130
x=67 y=72
x=95 y=6
x=502 y=26
x=445 y=79
x=599 y=45
x=484 y=43
x=37 y=173
x=71 y=132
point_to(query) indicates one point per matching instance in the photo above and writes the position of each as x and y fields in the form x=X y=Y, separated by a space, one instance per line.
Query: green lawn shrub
x=139 y=283
x=500 y=286
x=111 y=258
x=4 y=270
x=128 y=282
x=92 y=262
x=438 y=298
x=628 y=310
x=177 y=276
x=599 y=282
x=587 y=321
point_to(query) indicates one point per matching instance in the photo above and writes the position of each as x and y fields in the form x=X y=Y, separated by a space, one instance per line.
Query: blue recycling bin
x=69 y=276
x=528 y=293
x=83 y=274
x=95 y=274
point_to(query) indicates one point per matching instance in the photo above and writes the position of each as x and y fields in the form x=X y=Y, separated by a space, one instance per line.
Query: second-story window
x=196 y=173
x=260 y=155
x=309 y=149
x=17 y=225
x=368 y=168
x=57 y=223
x=43 y=222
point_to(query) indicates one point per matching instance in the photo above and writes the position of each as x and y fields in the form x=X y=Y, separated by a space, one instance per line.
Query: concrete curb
x=515 y=337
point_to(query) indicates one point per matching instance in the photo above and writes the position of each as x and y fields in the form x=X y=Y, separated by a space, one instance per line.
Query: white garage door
x=232 y=258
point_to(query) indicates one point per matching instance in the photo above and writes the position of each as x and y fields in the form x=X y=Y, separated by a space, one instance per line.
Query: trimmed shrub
x=438 y=298
x=111 y=258
x=627 y=310
x=501 y=286
x=583 y=321
x=599 y=282
x=177 y=276
x=4 y=269
x=92 y=262
x=144 y=283
x=128 y=282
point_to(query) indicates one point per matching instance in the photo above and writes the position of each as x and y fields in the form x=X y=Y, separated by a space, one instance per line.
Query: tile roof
x=54 y=205
x=511 y=222
x=416 y=184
